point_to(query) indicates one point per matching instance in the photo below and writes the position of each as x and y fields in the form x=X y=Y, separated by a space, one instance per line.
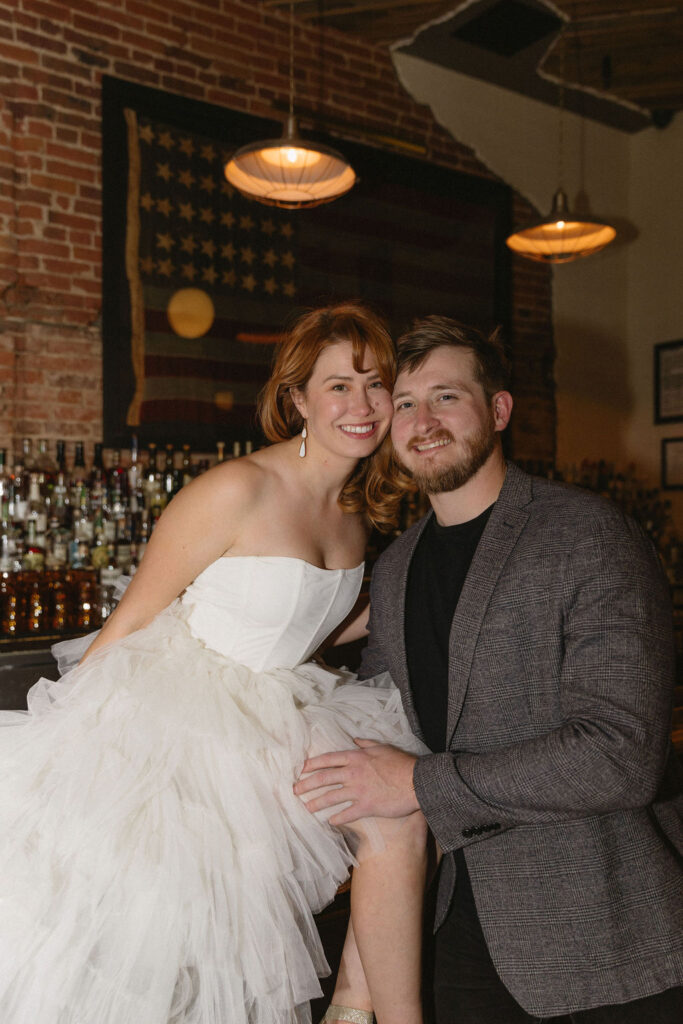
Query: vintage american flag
x=409 y=239
x=189 y=229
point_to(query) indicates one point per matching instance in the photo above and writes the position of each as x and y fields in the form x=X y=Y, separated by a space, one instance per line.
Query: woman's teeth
x=364 y=430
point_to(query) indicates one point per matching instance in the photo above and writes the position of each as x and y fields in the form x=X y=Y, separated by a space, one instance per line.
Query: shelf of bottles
x=68 y=532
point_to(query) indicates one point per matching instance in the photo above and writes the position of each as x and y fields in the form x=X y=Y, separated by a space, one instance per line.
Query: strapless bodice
x=269 y=611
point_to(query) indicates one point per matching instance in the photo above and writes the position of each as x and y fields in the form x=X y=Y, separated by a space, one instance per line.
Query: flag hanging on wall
x=199 y=282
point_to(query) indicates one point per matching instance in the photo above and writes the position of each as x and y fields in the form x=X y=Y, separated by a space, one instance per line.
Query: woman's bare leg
x=381 y=962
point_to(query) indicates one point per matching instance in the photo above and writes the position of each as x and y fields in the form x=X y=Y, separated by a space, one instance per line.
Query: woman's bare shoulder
x=235 y=482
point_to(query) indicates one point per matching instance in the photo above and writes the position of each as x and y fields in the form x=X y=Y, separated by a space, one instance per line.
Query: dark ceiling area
x=621 y=61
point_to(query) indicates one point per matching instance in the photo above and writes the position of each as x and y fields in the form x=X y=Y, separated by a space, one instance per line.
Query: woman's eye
x=377 y=384
x=339 y=387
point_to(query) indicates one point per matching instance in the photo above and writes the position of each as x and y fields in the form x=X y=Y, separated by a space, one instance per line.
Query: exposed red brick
x=226 y=52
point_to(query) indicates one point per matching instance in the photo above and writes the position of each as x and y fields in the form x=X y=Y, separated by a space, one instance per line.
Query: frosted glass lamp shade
x=290 y=172
x=560 y=237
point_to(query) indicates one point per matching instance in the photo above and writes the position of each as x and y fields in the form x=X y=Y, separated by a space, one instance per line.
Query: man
x=528 y=627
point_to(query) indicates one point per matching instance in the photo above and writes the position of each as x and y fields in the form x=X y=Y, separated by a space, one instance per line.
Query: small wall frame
x=668 y=379
x=672 y=463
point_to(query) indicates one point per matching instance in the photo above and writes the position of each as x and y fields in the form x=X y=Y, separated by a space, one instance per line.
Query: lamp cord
x=291 y=60
x=561 y=108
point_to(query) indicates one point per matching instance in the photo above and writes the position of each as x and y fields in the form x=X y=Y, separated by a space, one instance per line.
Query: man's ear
x=502 y=409
x=299 y=399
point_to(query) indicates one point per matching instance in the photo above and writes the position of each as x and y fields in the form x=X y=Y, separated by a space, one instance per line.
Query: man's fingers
x=335 y=759
x=332 y=798
x=366 y=743
x=318 y=780
x=346 y=817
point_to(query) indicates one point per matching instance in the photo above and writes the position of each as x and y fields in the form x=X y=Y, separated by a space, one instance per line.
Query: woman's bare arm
x=354 y=626
x=200 y=524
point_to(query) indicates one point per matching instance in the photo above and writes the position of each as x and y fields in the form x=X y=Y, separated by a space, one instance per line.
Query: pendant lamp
x=562 y=236
x=290 y=172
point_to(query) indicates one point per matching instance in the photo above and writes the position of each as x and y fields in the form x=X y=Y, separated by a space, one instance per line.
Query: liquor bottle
x=86 y=610
x=110 y=572
x=99 y=553
x=186 y=473
x=43 y=462
x=5 y=547
x=236 y=450
x=142 y=535
x=60 y=455
x=220 y=451
x=35 y=609
x=74 y=541
x=124 y=541
x=169 y=476
x=34 y=552
x=21 y=480
x=118 y=477
x=135 y=490
x=152 y=475
x=84 y=527
x=5 y=486
x=37 y=510
x=248 y=447
x=57 y=546
x=79 y=554
x=78 y=476
x=97 y=480
x=61 y=505
x=9 y=606
x=59 y=616
x=27 y=457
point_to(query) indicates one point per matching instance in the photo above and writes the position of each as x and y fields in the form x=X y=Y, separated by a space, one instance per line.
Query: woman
x=155 y=865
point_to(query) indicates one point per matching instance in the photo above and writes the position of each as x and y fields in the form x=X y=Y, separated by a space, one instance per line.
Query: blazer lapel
x=507 y=520
x=398 y=639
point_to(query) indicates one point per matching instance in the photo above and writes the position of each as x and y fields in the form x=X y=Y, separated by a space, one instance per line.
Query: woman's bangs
x=382 y=352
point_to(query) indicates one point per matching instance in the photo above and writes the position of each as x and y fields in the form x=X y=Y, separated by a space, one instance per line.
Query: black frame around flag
x=411 y=238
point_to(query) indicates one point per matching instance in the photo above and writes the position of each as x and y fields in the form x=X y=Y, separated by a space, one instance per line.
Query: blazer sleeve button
x=468 y=833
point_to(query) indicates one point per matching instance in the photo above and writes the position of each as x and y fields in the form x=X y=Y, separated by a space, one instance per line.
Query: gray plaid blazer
x=559 y=781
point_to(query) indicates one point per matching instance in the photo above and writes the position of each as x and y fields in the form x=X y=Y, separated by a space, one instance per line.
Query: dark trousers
x=467 y=989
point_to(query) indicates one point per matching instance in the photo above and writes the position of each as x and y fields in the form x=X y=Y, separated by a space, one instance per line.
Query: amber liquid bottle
x=9 y=606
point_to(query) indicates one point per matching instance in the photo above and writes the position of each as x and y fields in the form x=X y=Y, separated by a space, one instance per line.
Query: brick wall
x=221 y=51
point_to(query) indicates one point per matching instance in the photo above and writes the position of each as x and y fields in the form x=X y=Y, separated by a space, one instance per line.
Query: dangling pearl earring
x=302 y=449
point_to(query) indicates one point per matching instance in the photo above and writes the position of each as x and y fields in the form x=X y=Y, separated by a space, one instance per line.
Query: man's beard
x=475 y=452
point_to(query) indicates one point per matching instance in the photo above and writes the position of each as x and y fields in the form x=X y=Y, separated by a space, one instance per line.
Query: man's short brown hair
x=432 y=332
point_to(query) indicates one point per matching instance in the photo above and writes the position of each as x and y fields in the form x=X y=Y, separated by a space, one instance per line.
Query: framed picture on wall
x=672 y=463
x=669 y=382
x=199 y=282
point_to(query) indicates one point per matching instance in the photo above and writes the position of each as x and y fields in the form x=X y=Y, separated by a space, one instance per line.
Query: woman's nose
x=361 y=403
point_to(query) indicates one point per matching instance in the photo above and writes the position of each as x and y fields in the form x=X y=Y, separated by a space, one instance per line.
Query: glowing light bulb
x=291 y=155
x=560 y=224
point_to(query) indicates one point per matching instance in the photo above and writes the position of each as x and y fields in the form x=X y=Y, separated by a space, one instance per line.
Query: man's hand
x=377 y=779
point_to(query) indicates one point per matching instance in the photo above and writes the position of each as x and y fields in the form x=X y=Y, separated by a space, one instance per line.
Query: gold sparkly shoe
x=347 y=1013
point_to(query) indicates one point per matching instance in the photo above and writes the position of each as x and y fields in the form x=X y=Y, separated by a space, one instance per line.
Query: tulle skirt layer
x=155 y=866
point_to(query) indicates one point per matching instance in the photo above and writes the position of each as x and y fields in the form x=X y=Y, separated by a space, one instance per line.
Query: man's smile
x=426 y=446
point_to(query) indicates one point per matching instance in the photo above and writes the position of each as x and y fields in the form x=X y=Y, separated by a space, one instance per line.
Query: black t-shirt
x=437 y=573
x=436 y=577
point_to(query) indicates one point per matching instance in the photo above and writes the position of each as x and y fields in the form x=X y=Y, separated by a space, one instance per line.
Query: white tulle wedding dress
x=155 y=866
